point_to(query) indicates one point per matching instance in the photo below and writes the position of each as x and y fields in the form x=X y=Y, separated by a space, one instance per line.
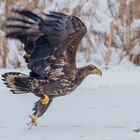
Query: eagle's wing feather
x=81 y=30
x=48 y=41
x=41 y=37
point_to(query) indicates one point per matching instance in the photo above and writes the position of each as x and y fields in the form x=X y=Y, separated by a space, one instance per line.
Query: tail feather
x=18 y=82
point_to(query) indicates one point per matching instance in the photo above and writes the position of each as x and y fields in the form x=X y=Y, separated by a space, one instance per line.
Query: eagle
x=50 y=45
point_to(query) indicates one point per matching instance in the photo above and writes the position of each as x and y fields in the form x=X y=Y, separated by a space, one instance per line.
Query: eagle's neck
x=83 y=73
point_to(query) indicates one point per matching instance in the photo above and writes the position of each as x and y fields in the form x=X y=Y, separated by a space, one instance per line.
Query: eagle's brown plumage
x=50 y=43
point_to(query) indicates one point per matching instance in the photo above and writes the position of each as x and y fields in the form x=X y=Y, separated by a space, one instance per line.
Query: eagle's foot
x=45 y=100
x=33 y=121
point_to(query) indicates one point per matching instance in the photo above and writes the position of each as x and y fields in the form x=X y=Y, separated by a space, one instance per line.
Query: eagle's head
x=92 y=69
x=89 y=69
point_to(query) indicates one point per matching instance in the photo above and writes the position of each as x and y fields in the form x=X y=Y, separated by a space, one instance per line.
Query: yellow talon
x=45 y=100
x=33 y=121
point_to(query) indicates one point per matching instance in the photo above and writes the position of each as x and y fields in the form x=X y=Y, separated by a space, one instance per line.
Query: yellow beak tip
x=98 y=72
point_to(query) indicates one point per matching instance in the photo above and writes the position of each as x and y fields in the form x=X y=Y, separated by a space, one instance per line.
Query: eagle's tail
x=18 y=82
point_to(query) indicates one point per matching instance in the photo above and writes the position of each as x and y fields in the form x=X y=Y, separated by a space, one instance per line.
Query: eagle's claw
x=33 y=121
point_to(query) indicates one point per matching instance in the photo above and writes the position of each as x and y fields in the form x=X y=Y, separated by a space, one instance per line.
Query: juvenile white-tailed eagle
x=50 y=43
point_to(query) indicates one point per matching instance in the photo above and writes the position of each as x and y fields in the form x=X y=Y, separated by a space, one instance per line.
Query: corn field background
x=113 y=29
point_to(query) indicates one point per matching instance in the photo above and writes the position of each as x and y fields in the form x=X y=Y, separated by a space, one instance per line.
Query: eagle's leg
x=39 y=109
x=45 y=100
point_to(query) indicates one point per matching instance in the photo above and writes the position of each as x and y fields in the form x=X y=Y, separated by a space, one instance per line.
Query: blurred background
x=113 y=35
x=102 y=108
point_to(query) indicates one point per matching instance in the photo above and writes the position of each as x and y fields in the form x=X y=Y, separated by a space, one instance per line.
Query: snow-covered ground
x=102 y=108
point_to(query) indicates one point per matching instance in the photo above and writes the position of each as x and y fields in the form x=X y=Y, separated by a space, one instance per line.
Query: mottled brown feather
x=50 y=44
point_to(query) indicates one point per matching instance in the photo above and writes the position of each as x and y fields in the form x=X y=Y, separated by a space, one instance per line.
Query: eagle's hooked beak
x=97 y=71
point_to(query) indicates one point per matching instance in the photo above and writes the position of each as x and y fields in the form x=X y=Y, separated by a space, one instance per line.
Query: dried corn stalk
x=108 y=51
x=4 y=52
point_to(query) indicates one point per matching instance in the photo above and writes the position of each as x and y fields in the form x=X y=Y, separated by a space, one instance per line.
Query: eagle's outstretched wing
x=50 y=42
x=77 y=37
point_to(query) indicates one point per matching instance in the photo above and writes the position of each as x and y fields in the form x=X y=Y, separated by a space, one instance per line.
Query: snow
x=101 y=108
x=136 y=23
x=136 y=49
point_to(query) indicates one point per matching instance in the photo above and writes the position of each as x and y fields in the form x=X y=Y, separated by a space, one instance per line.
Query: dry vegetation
x=120 y=28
